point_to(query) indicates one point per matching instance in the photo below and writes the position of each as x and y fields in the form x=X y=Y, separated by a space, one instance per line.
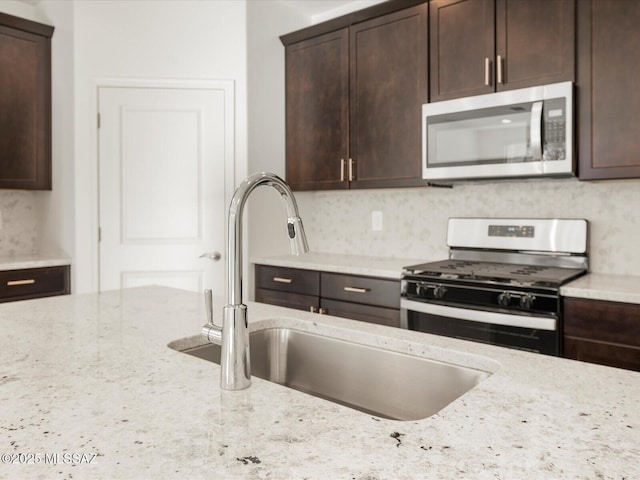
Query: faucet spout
x=235 y=359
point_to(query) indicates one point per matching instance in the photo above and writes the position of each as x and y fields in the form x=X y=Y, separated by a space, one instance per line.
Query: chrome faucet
x=234 y=336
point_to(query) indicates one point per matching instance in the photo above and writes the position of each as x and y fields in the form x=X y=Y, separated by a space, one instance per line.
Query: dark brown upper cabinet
x=608 y=98
x=317 y=111
x=25 y=104
x=353 y=104
x=389 y=84
x=483 y=46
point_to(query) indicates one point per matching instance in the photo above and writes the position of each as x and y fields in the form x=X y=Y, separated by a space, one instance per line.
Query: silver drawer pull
x=356 y=289
x=282 y=280
x=15 y=283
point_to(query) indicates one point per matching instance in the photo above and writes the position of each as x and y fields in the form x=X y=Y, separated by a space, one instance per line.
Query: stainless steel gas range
x=500 y=284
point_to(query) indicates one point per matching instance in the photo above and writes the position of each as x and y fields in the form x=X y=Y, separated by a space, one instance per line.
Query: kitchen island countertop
x=92 y=376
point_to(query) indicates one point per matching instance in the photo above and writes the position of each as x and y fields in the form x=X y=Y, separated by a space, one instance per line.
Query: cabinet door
x=25 y=104
x=602 y=332
x=389 y=78
x=608 y=94
x=462 y=48
x=317 y=109
x=535 y=42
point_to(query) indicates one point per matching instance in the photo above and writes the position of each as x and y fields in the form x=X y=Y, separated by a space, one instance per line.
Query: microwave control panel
x=555 y=127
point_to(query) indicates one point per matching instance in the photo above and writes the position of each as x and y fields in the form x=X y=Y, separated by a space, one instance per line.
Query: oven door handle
x=496 y=318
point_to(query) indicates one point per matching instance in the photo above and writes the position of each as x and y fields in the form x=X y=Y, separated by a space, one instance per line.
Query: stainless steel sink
x=376 y=381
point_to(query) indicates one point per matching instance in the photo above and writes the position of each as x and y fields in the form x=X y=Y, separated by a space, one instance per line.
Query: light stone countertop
x=600 y=286
x=92 y=375
x=383 y=267
x=20 y=262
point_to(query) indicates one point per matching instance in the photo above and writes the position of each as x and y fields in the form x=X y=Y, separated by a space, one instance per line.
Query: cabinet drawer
x=34 y=283
x=365 y=290
x=365 y=313
x=602 y=353
x=288 y=280
x=298 y=301
x=601 y=320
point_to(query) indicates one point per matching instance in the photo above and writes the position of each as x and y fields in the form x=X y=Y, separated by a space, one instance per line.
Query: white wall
x=147 y=39
x=55 y=208
x=20 y=9
x=266 y=21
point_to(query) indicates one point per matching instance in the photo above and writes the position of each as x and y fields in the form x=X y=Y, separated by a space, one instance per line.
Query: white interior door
x=163 y=156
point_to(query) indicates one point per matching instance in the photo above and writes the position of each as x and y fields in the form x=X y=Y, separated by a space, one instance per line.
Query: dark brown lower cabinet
x=607 y=333
x=368 y=299
x=30 y=283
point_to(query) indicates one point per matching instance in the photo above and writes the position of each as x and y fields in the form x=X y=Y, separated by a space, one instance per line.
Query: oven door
x=523 y=332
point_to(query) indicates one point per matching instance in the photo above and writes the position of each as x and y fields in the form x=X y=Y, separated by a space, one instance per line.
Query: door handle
x=215 y=256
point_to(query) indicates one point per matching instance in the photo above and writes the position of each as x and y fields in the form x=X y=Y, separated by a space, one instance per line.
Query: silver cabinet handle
x=215 y=256
x=282 y=280
x=351 y=177
x=499 y=69
x=15 y=283
x=342 y=169
x=356 y=290
x=535 y=131
x=487 y=73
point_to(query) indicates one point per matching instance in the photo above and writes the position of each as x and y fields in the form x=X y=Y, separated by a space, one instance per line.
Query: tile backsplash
x=19 y=229
x=415 y=220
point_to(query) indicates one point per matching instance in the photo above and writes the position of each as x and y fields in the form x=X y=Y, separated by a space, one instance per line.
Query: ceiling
x=320 y=10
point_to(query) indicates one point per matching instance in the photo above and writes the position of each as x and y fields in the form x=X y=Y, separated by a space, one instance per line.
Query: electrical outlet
x=376 y=221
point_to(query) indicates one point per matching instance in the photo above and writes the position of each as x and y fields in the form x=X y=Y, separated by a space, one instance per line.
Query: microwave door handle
x=536 y=131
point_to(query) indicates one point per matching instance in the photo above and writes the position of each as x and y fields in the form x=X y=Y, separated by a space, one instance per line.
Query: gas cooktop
x=504 y=273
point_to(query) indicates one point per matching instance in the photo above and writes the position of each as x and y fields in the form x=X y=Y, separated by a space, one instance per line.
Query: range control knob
x=526 y=301
x=504 y=299
x=439 y=291
x=421 y=289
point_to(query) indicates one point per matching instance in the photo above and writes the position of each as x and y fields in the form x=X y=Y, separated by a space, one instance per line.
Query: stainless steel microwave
x=518 y=133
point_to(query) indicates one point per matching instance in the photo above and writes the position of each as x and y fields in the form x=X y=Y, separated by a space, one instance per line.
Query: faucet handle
x=208 y=303
x=211 y=332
